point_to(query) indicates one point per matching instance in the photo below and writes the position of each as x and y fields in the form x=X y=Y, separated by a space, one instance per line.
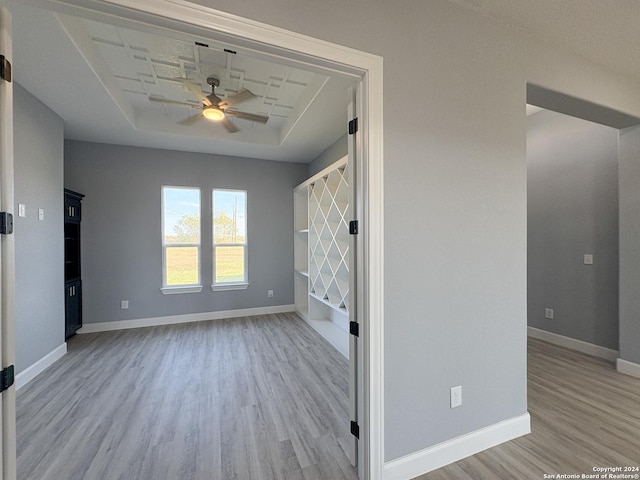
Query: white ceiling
x=531 y=109
x=606 y=32
x=98 y=77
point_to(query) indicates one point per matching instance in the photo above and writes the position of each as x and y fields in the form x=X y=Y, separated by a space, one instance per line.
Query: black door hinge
x=355 y=429
x=353 y=227
x=6 y=378
x=6 y=223
x=353 y=126
x=354 y=329
x=5 y=69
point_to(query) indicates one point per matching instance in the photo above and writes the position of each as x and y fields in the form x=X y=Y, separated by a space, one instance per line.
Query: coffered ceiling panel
x=136 y=66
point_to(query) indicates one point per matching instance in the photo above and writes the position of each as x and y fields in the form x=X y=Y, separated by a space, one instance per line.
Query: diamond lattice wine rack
x=321 y=253
x=329 y=239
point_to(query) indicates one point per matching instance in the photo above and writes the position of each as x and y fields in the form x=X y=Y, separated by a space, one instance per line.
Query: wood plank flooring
x=266 y=398
x=584 y=414
x=258 y=398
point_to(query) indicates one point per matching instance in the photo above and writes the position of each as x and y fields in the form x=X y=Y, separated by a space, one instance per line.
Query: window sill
x=221 y=287
x=176 y=290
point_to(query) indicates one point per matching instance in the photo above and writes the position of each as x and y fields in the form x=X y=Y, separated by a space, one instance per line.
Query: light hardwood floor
x=584 y=414
x=258 y=398
x=266 y=398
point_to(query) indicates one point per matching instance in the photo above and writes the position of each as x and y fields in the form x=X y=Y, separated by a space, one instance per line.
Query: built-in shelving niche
x=321 y=253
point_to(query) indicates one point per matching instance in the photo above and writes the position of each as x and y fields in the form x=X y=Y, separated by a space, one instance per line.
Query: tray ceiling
x=108 y=72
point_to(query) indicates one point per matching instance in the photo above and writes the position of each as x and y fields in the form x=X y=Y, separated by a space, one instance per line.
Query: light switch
x=588 y=258
x=40 y=214
x=22 y=210
x=456 y=396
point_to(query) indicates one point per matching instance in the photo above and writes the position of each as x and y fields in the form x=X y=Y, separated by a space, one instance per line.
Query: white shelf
x=329 y=304
x=321 y=253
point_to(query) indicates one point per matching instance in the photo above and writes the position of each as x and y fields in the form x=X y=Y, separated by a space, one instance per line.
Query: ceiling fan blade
x=247 y=116
x=195 y=89
x=241 y=96
x=172 y=102
x=229 y=125
x=192 y=119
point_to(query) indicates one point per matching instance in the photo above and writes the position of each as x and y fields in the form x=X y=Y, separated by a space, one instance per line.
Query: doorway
x=572 y=216
x=585 y=220
x=367 y=69
x=574 y=257
x=579 y=150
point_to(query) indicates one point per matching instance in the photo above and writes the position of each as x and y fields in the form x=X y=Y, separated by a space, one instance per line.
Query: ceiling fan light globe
x=213 y=113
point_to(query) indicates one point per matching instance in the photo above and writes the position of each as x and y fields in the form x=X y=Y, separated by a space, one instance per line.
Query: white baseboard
x=40 y=366
x=573 y=344
x=187 y=318
x=628 y=368
x=438 y=456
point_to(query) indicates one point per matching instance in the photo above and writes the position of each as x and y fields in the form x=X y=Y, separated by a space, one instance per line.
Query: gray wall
x=454 y=196
x=331 y=154
x=629 y=170
x=121 y=239
x=39 y=254
x=572 y=195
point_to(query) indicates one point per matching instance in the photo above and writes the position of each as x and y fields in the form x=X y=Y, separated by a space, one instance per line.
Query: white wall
x=455 y=197
x=572 y=177
x=331 y=154
x=121 y=228
x=629 y=174
x=39 y=254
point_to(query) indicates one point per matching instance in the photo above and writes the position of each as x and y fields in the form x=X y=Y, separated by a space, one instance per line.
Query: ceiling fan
x=213 y=107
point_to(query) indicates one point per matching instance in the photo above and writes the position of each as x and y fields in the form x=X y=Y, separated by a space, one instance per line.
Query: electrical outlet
x=124 y=304
x=548 y=313
x=588 y=258
x=456 y=396
x=270 y=293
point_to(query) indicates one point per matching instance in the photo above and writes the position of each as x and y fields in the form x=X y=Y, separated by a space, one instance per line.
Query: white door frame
x=315 y=53
x=7 y=270
x=354 y=213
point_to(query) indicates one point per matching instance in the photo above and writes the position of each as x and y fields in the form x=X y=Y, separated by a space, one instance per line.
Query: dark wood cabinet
x=72 y=271
x=72 y=307
x=72 y=206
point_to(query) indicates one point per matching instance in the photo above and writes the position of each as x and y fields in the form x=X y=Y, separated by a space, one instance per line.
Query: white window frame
x=242 y=285
x=188 y=288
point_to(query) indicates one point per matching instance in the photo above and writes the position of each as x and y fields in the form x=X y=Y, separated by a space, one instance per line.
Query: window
x=181 y=239
x=229 y=239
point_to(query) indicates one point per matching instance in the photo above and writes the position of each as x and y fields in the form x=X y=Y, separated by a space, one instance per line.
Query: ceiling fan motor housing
x=213 y=98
